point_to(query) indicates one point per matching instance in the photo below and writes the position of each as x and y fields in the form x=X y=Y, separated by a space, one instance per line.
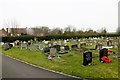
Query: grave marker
x=75 y=46
x=87 y=58
x=66 y=47
x=57 y=47
x=103 y=52
x=82 y=44
x=109 y=42
x=6 y=46
x=23 y=46
x=41 y=46
x=53 y=53
x=46 y=50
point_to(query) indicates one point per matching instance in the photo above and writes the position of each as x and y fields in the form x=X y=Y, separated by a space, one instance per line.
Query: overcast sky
x=93 y=14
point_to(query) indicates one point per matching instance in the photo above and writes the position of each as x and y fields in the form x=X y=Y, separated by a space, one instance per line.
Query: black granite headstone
x=66 y=48
x=57 y=47
x=46 y=49
x=10 y=45
x=87 y=58
x=18 y=43
x=103 y=52
x=74 y=46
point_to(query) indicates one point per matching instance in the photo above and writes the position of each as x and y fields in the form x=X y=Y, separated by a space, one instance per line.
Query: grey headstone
x=53 y=53
x=6 y=46
x=23 y=46
x=41 y=46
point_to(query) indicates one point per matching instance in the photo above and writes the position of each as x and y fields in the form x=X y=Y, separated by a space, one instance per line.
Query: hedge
x=49 y=37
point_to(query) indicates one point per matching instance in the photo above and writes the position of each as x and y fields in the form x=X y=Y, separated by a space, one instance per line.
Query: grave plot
x=53 y=53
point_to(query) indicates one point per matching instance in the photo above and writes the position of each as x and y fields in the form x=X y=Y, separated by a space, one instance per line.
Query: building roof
x=3 y=32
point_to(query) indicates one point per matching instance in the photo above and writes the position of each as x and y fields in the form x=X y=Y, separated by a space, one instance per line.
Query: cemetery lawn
x=70 y=65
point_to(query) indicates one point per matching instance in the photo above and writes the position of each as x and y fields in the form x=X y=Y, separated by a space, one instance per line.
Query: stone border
x=42 y=67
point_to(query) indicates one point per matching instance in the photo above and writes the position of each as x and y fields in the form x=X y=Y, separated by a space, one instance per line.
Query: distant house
x=17 y=31
x=3 y=32
x=20 y=31
x=35 y=32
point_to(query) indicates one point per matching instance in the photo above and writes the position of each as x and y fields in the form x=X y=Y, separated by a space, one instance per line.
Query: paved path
x=15 y=69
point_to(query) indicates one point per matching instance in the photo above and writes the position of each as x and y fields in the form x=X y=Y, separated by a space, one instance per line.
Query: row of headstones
x=23 y=45
x=17 y=42
x=58 y=47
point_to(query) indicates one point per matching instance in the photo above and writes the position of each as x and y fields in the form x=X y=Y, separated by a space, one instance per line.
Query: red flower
x=105 y=59
x=109 y=50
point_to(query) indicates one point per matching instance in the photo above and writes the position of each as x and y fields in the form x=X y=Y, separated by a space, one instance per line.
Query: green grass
x=70 y=65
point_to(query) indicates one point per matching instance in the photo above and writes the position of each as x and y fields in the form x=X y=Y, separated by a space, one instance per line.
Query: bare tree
x=11 y=26
x=56 y=31
x=103 y=30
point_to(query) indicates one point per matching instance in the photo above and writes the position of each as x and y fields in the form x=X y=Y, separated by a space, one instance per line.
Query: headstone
x=57 y=47
x=11 y=44
x=82 y=44
x=98 y=46
x=75 y=46
x=87 y=58
x=49 y=45
x=53 y=53
x=17 y=42
x=109 y=42
x=29 y=43
x=108 y=47
x=55 y=43
x=62 y=48
x=59 y=43
x=35 y=39
x=103 y=52
x=23 y=46
x=41 y=46
x=66 y=47
x=46 y=50
x=65 y=41
x=2 y=43
x=68 y=40
x=6 y=46
x=75 y=42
